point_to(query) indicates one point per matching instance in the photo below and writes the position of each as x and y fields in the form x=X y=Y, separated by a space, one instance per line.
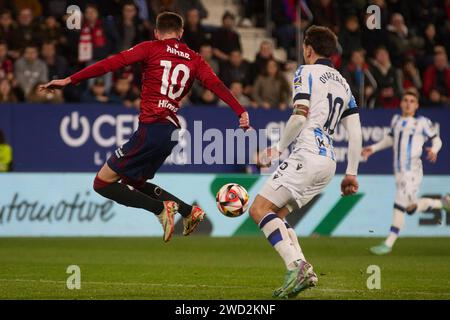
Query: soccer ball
x=232 y=200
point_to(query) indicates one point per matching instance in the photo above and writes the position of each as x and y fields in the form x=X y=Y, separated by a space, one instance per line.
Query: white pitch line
x=212 y=286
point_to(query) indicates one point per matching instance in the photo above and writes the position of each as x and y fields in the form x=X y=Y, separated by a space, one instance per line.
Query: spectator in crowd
x=179 y=6
x=7 y=27
x=27 y=31
x=350 y=37
x=122 y=93
x=198 y=94
x=185 y=5
x=33 y=5
x=130 y=28
x=51 y=30
x=194 y=34
x=436 y=80
x=6 y=155
x=325 y=14
x=206 y=51
x=426 y=11
x=30 y=70
x=226 y=39
x=6 y=93
x=409 y=76
x=271 y=89
x=57 y=65
x=237 y=89
x=264 y=54
x=56 y=8
x=284 y=16
x=388 y=93
x=6 y=64
x=431 y=40
x=236 y=69
x=252 y=13
x=96 y=93
x=40 y=96
x=97 y=39
x=208 y=98
x=399 y=39
x=360 y=79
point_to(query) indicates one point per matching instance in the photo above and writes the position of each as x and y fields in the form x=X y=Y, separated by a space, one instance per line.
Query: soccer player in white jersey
x=407 y=136
x=321 y=99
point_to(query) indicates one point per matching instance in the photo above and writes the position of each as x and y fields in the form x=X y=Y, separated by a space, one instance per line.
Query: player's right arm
x=386 y=142
x=211 y=82
x=135 y=54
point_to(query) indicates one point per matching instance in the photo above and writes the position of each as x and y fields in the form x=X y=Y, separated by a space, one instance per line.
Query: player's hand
x=431 y=156
x=244 y=121
x=366 y=153
x=266 y=157
x=349 y=185
x=55 y=84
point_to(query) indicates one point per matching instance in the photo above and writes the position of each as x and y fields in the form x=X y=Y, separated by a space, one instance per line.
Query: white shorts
x=300 y=177
x=408 y=184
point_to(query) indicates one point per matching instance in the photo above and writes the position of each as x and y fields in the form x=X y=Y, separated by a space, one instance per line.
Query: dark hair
x=412 y=92
x=92 y=5
x=265 y=71
x=31 y=45
x=169 y=22
x=228 y=14
x=322 y=40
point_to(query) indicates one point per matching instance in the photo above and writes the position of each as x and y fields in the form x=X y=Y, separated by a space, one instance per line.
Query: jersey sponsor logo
x=168 y=105
x=178 y=52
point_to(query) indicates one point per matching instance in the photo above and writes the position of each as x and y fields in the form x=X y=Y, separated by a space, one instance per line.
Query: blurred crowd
x=409 y=50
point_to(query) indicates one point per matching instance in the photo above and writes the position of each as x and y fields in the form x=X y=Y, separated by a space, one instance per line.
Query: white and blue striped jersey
x=327 y=94
x=409 y=135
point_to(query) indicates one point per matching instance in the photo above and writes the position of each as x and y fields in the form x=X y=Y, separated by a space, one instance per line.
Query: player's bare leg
x=263 y=212
x=107 y=184
x=422 y=204
x=192 y=215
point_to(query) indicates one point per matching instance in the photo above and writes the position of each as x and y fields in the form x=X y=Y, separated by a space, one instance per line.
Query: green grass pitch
x=216 y=268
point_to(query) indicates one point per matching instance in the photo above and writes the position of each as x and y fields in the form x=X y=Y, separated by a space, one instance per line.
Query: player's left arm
x=211 y=82
x=430 y=131
x=432 y=152
x=352 y=124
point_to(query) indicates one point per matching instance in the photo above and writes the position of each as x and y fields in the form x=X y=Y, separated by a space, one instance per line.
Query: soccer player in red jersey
x=169 y=70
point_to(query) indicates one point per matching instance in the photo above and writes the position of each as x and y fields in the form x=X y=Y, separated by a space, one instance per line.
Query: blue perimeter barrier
x=79 y=137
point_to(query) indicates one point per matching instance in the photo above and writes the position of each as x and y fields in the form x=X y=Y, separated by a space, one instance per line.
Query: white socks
x=294 y=239
x=397 y=224
x=424 y=204
x=276 y=232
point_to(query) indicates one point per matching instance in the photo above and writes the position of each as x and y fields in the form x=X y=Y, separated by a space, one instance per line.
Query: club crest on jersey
x=178 y=53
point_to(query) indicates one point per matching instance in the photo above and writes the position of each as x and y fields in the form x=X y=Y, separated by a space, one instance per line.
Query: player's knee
x=256 y=213
x=411 y=209
x=100 y=184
